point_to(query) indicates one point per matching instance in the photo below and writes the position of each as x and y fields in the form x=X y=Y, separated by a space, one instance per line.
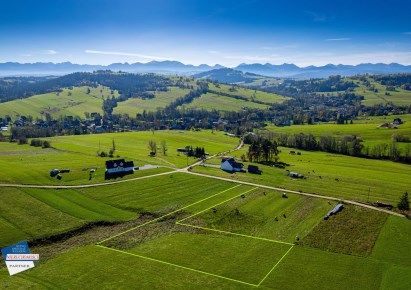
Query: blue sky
x=206 y=31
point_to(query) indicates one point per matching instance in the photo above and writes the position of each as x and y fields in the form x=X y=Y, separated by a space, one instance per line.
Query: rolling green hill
x=251 y=95
x=161 y=100
x=366 y=128
x=210 y=101
x=69 y=102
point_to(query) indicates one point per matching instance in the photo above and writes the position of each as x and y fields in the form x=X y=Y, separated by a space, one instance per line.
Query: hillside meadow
x=210 y=101
x=160 y=101
x=398 y=97
x=251 y=95
x=366 y=128
x=70 y=102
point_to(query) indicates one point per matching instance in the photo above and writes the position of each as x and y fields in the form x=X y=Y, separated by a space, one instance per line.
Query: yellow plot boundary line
x=178 y=266
x=203 y=228
x=159 y=218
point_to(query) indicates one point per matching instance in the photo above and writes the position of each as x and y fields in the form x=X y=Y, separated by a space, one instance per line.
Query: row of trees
x=347 y=145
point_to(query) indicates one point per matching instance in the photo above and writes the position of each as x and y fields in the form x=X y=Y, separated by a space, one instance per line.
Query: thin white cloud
x=338 y=39
x=49 y=51
x=407 y=33
x=214 y=51
x=26 y=55
x=126 y=54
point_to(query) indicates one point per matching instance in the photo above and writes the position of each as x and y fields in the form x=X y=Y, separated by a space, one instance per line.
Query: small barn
x=295 y=175
x=229 y=164
x=253 y=169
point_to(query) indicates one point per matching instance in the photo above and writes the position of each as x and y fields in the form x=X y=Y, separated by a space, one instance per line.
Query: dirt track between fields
x=188 y=171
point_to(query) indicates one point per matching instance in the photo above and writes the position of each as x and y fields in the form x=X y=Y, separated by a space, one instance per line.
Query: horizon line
x=203 y=64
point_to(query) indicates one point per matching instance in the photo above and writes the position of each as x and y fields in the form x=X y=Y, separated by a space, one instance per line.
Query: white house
x=229 y=164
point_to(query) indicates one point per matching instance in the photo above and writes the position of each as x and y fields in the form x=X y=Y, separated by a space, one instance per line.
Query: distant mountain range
x=49 y=68
x=293 y=71
x=175 y=67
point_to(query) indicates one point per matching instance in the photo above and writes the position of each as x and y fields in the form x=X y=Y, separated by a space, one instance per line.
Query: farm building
x=118 y=167
x=253 y=169
x=229 y=164
x=295 y=175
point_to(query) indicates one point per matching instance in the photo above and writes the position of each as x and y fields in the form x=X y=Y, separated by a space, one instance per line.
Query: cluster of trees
x=12 y=88
x=40 y=143
x=394 y=80
x=262 y=149
x=198 y=152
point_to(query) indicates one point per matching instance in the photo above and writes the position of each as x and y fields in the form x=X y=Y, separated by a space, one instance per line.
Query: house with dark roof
x=118 y=167
x=229 y=164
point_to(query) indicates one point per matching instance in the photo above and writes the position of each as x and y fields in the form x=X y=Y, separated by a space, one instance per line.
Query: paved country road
x=188 y=171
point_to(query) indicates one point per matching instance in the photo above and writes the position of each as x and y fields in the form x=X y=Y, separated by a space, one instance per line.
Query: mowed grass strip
x=80 y=206
x=161 y=194
x=31 y=216
x=352 y=231
x=265 y=214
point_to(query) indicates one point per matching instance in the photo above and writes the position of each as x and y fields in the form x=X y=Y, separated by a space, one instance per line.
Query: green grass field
x=37 y=213
x=161 y=100
x=329 y=174
x=179 y=240
x=179 y=230
x=365 y=128
x=69 y=102
x=211 y=102
x=31 y=165
x=399 y=97
x=256 y=213
x=251 y=95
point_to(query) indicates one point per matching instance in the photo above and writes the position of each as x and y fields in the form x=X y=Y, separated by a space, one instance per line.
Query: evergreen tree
x=404 y=203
